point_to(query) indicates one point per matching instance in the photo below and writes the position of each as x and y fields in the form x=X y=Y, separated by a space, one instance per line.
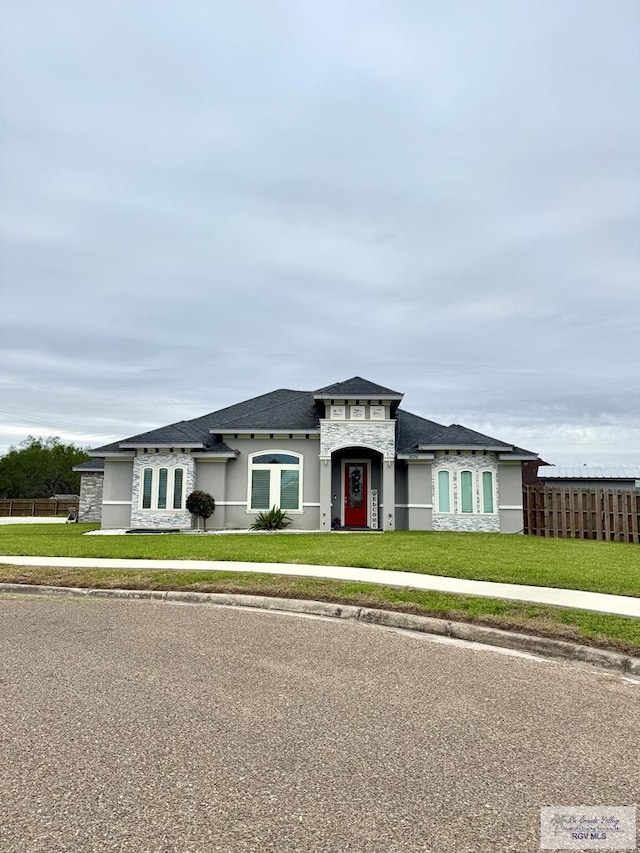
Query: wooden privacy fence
x=582 y=513
x=40 y=506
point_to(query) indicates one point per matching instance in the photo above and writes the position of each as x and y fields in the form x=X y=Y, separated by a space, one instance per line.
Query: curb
x=543 y=646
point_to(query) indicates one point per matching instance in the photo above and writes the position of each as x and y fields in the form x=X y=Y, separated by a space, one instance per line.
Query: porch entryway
x=356 y=494
x=356 y=488
x=355 y=482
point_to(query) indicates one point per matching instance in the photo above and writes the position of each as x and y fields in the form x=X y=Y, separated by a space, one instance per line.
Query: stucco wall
x=211 y=477
x=116 y=493
x=236 y=512
x=510 y=493
x=401 y=497
x=419 y=496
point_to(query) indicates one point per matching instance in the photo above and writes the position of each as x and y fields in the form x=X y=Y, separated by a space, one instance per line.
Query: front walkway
x=621 y=605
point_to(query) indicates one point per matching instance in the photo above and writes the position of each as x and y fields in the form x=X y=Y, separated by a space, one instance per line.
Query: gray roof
x=280 y=410
x=416 y=434
x=183 y=432
x=94 y=464
x=456 y=435
x=589 y=472
x=414 y=430
x=356 y=387
x=286 y=410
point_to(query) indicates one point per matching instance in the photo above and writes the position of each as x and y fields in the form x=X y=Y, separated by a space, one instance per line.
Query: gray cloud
x=202 y=203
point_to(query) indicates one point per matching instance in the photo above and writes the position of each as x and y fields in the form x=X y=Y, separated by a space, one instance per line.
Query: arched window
x=444 y=491
x=487 y=492
x=178 y=488
x=466 y=491
x=158 y=484
x=275 y=479
x=163 y=476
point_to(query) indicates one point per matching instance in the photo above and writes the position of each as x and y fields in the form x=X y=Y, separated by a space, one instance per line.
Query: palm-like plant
x=273 y=519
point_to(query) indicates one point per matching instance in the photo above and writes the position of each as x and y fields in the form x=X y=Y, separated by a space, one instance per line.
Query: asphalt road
x=148 y=728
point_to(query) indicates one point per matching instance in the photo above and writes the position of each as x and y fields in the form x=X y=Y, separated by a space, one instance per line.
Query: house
x=345 y=455
x=591 y=476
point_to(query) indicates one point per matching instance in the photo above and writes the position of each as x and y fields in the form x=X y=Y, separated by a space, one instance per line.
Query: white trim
x=467 y=447
x=506 y=457
x=117 y=503
x=344 y=463
x=116 y=456
x=361 y=445
x=127 y=445
x=387 y=398
x=436 y=484
x=215 y=457
x=156 y=465
x=244 y=503
x=494 y=490
x=414 y=506
x=280 y=432
x=274 y=488
x=514 y=506
x=474 y=487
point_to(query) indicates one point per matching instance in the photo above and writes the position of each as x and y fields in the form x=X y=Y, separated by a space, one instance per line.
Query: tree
x=41 y=468
x=201 y=504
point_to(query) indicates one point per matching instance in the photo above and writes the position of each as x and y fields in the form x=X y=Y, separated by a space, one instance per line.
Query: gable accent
x=356 y=388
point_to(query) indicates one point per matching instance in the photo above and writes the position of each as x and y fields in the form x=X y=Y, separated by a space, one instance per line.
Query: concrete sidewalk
x=620 y=605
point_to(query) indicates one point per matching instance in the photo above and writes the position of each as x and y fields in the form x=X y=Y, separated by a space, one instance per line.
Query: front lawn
x=567 y=563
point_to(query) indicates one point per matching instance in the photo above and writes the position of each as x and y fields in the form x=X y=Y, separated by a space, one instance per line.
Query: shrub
x=201 y=504
x=274 y=519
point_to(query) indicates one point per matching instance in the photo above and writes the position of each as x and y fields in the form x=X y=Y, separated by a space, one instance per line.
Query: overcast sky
x=203 y=201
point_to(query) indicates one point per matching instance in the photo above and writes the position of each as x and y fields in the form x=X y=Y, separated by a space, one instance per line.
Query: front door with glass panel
x=355 y=494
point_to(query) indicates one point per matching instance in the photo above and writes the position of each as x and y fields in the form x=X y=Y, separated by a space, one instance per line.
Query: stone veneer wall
x=378 y=435
x=158 y=518
x=91 y=486
x=466 y=522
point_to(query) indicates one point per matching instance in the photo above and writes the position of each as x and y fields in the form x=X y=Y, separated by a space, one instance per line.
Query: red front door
x=356 y=491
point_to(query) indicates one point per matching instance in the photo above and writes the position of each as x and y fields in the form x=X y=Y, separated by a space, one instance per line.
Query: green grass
x=611 y=567
x=595 y=629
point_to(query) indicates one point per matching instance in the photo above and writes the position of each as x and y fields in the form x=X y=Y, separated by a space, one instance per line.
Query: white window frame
x=477 y=491
x=474 y=491
x=483 y=510
x=451 y=510
x=155 y=484
x=274 y=482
